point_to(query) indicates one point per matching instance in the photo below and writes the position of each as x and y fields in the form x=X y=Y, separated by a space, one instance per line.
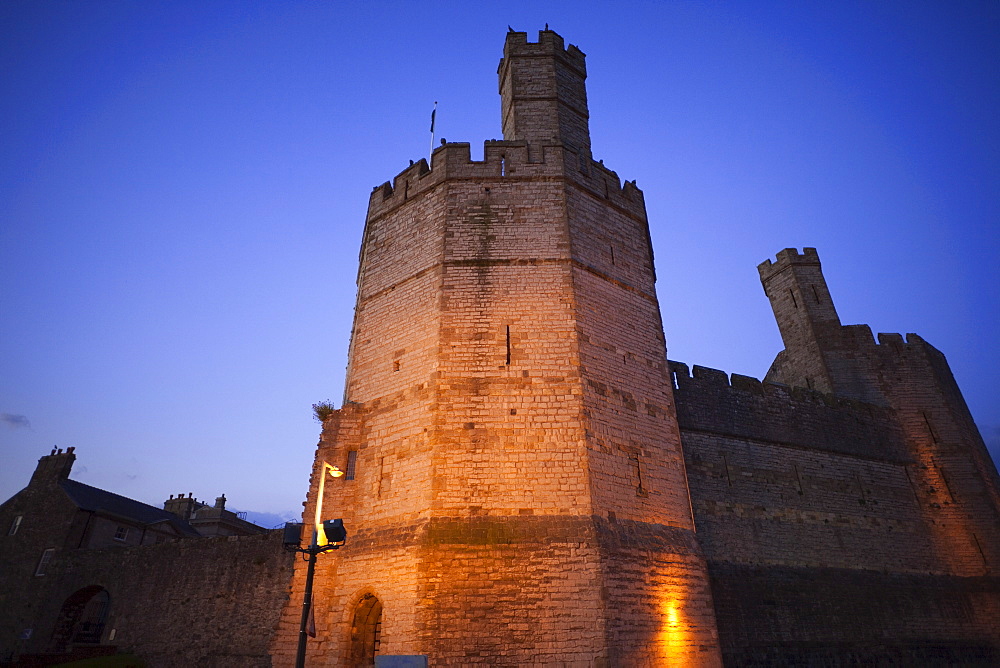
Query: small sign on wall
x=401 y=661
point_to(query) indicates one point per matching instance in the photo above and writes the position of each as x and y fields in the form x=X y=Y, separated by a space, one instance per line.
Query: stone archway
x=82 y=618
x=366 y=631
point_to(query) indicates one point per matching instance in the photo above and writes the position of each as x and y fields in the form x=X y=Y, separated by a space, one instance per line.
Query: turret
x=819 y=353
x=543 y=96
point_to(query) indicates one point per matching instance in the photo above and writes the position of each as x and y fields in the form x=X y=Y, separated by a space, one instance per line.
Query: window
x=121 y=534
x=43 y=563
x=15 y=525
x=352 y=465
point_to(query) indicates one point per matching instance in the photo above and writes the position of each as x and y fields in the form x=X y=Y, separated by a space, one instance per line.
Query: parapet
x=505 y=160
x=896 y=347
x=705 y=378
x=713 y=402
x=785 y=259
x=549 y=43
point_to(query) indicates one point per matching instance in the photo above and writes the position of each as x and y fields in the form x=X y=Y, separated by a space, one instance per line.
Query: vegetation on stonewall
x=323 y=409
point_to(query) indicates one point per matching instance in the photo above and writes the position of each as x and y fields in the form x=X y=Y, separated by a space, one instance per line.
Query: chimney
x=54 y=467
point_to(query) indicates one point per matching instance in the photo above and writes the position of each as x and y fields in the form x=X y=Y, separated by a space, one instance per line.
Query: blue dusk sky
x=183 y=187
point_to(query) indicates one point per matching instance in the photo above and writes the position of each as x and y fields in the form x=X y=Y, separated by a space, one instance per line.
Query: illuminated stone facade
x=518 y=448
x=530 y=482
x=519 y=495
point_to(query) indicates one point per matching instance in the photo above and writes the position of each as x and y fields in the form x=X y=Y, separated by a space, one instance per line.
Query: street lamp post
x=326 y=536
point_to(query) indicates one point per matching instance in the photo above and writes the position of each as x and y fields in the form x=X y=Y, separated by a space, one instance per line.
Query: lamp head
x=335 y=531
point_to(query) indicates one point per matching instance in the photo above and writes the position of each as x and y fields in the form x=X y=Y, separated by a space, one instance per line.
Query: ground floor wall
x=512 y=591
x=822 y=548
x=209 y=602
x=787 y=616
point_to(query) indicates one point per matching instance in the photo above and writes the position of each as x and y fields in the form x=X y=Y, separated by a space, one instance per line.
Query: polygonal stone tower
x=515 y=490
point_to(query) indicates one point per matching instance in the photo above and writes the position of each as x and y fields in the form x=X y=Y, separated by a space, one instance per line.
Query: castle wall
x=199 y=602
x=958 y=485
x=812 y=517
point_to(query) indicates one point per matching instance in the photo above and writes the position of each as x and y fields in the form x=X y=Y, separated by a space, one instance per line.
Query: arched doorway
x=82 y=618
x=366 y=629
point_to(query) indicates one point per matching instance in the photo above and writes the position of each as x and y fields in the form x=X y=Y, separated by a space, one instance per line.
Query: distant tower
x=953 y=476
x=515 y=490
x=818 y=350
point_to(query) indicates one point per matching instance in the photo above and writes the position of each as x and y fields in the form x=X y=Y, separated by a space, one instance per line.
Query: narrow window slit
x=508 y=345
x=612 y=254
x=794 y=302
x=503 y=165
x=816 y=294
x=639 y=489
x=352 y=465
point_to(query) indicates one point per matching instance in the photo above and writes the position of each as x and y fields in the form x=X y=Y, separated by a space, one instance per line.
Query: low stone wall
x=199 y=602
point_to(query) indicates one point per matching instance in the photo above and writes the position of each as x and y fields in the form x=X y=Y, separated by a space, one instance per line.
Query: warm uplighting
x=335 y=472
x=675 y=636
x=671 y=614
x=327 y=535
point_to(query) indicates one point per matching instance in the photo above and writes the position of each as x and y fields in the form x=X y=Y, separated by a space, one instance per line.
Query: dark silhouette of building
x=84 y=570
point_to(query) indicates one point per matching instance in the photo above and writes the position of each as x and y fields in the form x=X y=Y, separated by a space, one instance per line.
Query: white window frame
x=43 y=561
x=121 y=534
x=15 y=525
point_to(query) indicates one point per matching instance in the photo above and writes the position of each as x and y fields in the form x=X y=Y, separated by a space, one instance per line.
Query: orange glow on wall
x=675 y=635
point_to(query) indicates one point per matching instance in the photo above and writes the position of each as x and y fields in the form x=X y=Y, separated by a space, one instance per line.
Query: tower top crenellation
x=786 y=258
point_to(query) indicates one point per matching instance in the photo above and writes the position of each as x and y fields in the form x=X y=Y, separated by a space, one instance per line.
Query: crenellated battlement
x=712 y=401
x=549 y=43
x=705 y=378
x=786 y=258
x=505 y=160
x=543 y=97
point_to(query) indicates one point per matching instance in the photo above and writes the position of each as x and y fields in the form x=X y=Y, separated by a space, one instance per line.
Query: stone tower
x=953 y=476
x=515 y=490
x=818 y=355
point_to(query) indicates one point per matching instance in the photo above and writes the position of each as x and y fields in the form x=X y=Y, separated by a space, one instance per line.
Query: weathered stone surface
x=507 y=393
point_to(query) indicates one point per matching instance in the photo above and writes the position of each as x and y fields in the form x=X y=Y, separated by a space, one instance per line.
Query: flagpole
x=433 y=114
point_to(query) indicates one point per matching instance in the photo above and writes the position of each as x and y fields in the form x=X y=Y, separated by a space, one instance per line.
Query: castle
x=529 y=480
x=533 y=483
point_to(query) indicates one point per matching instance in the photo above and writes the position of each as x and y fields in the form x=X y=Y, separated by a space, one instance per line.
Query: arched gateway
x=366 y=627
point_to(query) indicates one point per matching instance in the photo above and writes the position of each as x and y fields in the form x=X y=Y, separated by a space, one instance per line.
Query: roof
x=98 y=500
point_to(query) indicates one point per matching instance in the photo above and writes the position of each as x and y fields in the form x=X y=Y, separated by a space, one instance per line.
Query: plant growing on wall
x=323 y=409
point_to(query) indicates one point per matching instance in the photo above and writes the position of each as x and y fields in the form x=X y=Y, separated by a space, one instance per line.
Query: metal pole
x=300 y=657
x=433 y=114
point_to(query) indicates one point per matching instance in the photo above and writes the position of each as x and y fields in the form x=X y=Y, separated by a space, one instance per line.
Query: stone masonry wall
x=41 y=507
x=812 y=517
x=211 y=602
x=488 y=454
